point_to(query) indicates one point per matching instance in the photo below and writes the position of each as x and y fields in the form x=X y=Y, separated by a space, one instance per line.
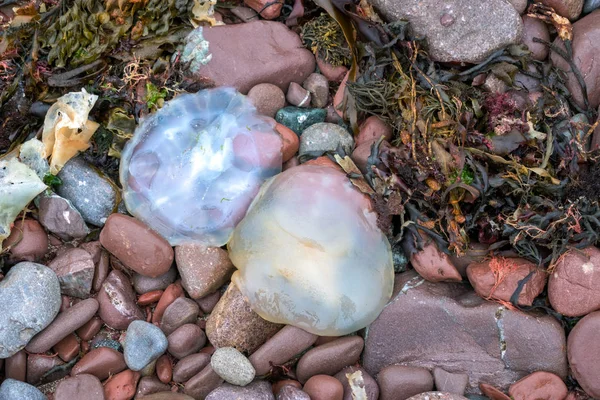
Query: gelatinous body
x=192 y=169
x=309 y=253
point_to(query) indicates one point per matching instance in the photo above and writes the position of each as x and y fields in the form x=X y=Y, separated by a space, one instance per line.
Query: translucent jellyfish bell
x=309 y=253
x=192 y=168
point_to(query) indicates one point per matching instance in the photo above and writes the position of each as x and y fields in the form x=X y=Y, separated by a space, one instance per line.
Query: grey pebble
x=232 y=366
x=144 y=343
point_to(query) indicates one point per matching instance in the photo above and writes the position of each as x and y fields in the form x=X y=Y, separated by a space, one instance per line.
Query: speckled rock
x=232 y=323
x=202 y=269
x=92 y=193
x=232 y=366
x=75 y=271
x=27 y=241
x=258 y=390
x=144 y=343
x=15 y=390
x=117 y=301
x=322 y=137
x=298 y=119
x=267 y=98
x=60 y=217
x=30 y=298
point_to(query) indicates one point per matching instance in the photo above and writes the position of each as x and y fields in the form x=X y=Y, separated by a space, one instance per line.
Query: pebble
x=266 y=8
x=121 y=386
x=60 y=217
x=289 y=392
x=446 y=322
x=519 y=5
x=433 y=264
x=324 y=387
x=136 y=246
x=297 y=95
x=164 y=369
x=584 y=353
x=150 y=298
x=144 y=284
x=373 y=128
x=89 y=190
x=75 y=271
x=440 y=396
x=357 y=382
x=318 y=86
x=448 y=382
x=38 y=367
x=144 y=343
x=362 y=152
x=258 y=390
x=201 y=384
x=232 y=323
x=482 y=277
x=186 y=340
x=322 y=137
x=16 y=390
x=202 y=269
x=101 y=262
x=267 y=98
x=329 y=358
x=15 y=366
x=149 y=385
x=117 y=301
x=539 y=385
x=572 y=286
x=168 y=395
x=338 y=97
x=171 y=293
x=84 y=386
x=279 y=349
x=492 y=392
x=101 y=362
x=398 y=382
x=590 y=5
x=232 y=366
x=298 y=119
x=189 y=366
x=182 y=311
x=277 y=386
x=535 y=28
x=30 y=298
x=27 y=241
x=475 y=252
x=68 y=348
x=111 y=344
x=291 y=142
x=570 y=9
x=332 y=73
x=90 y=329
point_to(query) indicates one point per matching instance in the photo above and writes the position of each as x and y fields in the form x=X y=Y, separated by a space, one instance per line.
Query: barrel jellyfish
x=309 y=253
x=192 y=168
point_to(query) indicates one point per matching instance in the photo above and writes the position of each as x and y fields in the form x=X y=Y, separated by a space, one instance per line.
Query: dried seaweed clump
x=324 y=37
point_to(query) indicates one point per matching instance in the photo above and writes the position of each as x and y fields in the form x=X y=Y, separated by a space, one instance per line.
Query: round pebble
x=186 y=340
x=16 y=390
x=267 y=98
x=144 y=343
x=232 y=366
x=324 y=387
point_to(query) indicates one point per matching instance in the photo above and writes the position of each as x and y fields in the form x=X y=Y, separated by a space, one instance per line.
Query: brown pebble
x=15 y=366
x=329 y=358
x=84 y=386
x=27 y=241
x=201 y=384
x=149 y=385
x=186 y=340
x=101 y=362
x=279 y=384
x=167 y=396
x=136 y=245
x=182 y=311
x=333 y=74
x=190 y=366
x=65 y=302
x=539 y=385
x=322 y=161
x=207 y=350
x=121 y=386
x=399 y=382
x=164 y=369
x=150 y=297
x=90 y=329
x=289 y=392
x=267 y=98
x=39 y=364
x=203 y=269
x=492 y=392
x=291 y=142
x=75 y=271
x=325 y=339
x=372 y=129
x=101 y=261
x=208 y=302
x=361 y=378
x=68 y=348
x=324 y=387
x=117 y=301
x=433 y=264
x=171 y=293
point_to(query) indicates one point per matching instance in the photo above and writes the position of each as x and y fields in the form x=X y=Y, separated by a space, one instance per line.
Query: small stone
x=232 y=323
x=475 y=252
x=535 y=28
x=186 y=340
x=258 y=390
x=297 y=95
x=101 y=362
x=324 y=387
x=201 y=384
x=440 y=396
x=482 y=276
x=182 y=311
x=267 y=98
x=150 y=298
x=117 y=301
x=16 y=390
x=15 y=366
x=398 y=382
x=164 y=369
x=90 y=329
x=27 y=241
x=433 y=264
x=171 y=293
x=277 y=386
x=267 y=9
x=298 y=119
x=144 y=284
x=357 y=380
x=167 y=395
x=332 y=73
x=149 y=385
x=144 y=343
x=318 y=86
x=291 y=143
x=373 y=128
x=362 y=152
x=570 y=9
x=38 y=367
x=68 y=348
x=279 y=349
x=449 y=382
x=75 y=271
x=289 y=392
x=232 y=366
x=121 y=386
x=573 y=285
x=60 y=217
x=539 y=385
x=189 y=366
x=101 y=262
x=590 y=5
x=322 y=137
x=136 y=245
x=584 y=353
x=330 y=358
x=246 y=14
x=492 y=392
x=30 y=298
x=203 y=269
x=89 y=190
x=84 y=386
